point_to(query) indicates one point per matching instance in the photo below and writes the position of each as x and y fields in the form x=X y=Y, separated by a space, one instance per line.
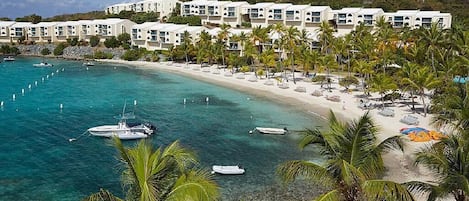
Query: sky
x=48 y=8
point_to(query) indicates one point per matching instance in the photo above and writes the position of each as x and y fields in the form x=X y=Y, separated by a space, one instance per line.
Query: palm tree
x=291 y=38
x=433 y=38
x=327 y=62
x=222 y=37
x=420 y=80
x=448 y=160
x=452 y=108
x=186 y=44
x=353 y=162
x=366 y=70
x=268 y=59
x=161 y=174
x=382 y=83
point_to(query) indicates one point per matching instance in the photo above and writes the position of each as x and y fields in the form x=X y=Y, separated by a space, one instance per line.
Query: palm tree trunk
x=293 y=67
x=422 y=97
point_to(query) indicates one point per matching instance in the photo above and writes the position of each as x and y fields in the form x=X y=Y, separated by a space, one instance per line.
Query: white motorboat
x=9 y=58
x=43 y=64
x=274 y=131
x=122 y=129
x=88 y=63
x=223 y=169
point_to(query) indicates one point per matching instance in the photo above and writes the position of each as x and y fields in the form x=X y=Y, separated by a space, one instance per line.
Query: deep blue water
x=37 y=162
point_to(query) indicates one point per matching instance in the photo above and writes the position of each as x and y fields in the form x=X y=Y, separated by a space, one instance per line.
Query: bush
x=246 y=24
x=347 y=81
x=94 y=41
x=45 y=51
x=131 y=55
x=59 y=50
x=318 y=78
x=72 y=41
x=244 y=69
x=102 y=55
x=190 y=20
x=112 y=42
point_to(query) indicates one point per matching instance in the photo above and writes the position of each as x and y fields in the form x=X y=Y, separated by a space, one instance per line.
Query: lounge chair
x=283 y=85
x=206 y=69
x=410 y=120
x=334 y=98
x=269 y=83
x=216 y=71
x=387 y=112
x=252 y=78
x=317 y=93
x=240 y=76
x=300 y=89
x=228 y=74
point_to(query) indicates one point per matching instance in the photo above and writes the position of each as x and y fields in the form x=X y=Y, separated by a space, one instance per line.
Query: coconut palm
x=448 y=161
x=291 y=38
x=353 y=165
x=161 y=174
x=268 y=59
x=451 y=108
x=186 y=44
x=222 y=37
x=420 y=80
x=366 y=70
x=432 y=38
x=382 y=83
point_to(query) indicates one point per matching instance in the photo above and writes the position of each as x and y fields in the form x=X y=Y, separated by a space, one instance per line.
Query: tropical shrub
x=72 y=41
x=102 y=55
x=347 y=81
x=59 y=49
x=45 y=51
x=112 y=42
x=94 y=41
x=131 y=55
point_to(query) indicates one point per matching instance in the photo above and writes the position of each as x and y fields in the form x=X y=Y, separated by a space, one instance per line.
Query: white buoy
x=1 y=104
x=206 y=99
x=57 y=71
x=71 y=139
x=135 y=102
x=52 y=74
x=62 y=69
x=22 y=91
x=42 y=79
x=35 y=83
x=184 y=101
x=47 y=77
x=14 y=97
x=61 y=106
x=87 y=68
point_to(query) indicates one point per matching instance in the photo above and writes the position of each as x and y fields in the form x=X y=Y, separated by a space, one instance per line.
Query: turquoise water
x=37 y=162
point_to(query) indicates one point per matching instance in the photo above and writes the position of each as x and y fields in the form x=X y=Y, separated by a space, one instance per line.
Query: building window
x=342 y=15
x=254 y=13
x=368 y=19
x=290 y=15
x=231 y=12
x=202 y=10
x=316 y=17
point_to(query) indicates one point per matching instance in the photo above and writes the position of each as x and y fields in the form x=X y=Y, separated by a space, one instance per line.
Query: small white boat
x=223 y=169
x=9 y=58
x=274 y=131
x=123 y=130
x=43 y=64
x=88 y=63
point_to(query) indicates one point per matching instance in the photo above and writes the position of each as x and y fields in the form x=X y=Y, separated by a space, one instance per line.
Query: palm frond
x=391 y=143
x=194 y=185
x=183 y=157
x=291 y=170
x=350 y=174
x=333 y=195
x=102 y=195
x=386 y=190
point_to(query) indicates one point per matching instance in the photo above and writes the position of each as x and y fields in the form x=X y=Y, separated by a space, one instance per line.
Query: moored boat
x=43 y=64
x=224 y=169
x=274 y=131
x=9 y=58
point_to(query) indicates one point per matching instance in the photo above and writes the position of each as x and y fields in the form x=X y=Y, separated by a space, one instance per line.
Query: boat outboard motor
x=285 y=128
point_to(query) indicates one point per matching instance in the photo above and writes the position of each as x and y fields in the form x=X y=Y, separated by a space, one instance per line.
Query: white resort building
x=163 y=7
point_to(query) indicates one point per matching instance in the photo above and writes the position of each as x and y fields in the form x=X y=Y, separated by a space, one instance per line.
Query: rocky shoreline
x=71 y=52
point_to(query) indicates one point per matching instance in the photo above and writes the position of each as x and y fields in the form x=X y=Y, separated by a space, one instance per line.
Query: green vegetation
x=112 y=42
x=59 y=50
x=30 y=18
x=101 y=55
x=94 y=41
x=160 y=174
x=77 y=16
x=72 y=41
x=133 y=55
x=45 y=51
x=190 y=20
x=6 y=49
x=353 y=167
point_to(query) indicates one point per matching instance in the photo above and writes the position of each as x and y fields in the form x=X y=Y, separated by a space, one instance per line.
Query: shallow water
x=39 y=163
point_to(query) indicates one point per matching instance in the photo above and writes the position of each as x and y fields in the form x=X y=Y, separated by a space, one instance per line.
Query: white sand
x=400 y=165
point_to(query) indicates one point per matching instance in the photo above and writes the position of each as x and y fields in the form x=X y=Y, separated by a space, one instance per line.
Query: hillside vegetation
x=458 y=8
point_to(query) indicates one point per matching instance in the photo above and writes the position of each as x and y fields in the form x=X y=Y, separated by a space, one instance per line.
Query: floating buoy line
x=30 y=87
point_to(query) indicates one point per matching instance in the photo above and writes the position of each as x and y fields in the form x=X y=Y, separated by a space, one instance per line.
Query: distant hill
x=78 y=16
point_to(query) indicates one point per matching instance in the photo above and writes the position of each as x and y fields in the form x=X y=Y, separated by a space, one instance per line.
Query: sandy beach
x=399 y=165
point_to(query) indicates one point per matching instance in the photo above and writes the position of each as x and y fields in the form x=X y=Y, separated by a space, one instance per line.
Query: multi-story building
x=41 y=32
x=314 y=15
x=163 y=7
x=105 y=28
x=5 y=31
x=66 y=30
x=258 y=13
x=232 y=13
x=140 y=33
x=295 y=14
x=19 y=30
